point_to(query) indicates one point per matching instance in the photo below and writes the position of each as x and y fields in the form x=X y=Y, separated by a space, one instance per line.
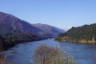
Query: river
x=22 y=53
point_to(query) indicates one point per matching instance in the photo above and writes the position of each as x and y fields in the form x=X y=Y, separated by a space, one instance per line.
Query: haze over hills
x=14 y=30
x=49 y=30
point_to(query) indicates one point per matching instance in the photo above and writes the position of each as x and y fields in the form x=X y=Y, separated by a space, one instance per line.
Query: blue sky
x=59 y=13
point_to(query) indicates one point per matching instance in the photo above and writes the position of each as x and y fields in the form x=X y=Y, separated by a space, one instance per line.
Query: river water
x=22 y=53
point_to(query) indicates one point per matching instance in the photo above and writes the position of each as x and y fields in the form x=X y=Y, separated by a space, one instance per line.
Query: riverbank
x=67 y=39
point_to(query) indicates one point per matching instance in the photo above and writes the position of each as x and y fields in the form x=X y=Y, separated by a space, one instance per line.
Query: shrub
x=2 y=59
x=49 y=55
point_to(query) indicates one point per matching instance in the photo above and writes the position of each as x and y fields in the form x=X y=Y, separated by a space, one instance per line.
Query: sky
x=60 y=13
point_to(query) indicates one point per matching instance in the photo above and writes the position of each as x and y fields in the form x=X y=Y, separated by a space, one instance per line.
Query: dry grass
x=49 y=55
x=2 y=59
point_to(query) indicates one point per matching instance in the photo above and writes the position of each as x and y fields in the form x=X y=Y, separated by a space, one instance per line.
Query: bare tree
x=49 y=55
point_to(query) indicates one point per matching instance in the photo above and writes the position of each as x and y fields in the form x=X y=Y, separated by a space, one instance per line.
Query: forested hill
x=82 y=34
x=13 y=31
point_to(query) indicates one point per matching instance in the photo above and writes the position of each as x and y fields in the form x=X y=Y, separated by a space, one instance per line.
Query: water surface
x=22 y=53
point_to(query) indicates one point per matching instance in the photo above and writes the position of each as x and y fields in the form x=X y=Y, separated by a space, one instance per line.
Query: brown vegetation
x=2 y=59
x=49 y=55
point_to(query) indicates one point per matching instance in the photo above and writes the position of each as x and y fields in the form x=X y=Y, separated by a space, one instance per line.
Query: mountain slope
x=83 y=34
x=48 y=30
x=9 y=23
x=14 y=30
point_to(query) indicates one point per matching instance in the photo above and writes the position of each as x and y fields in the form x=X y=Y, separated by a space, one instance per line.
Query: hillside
x=48 y=30
x=82 y=34
x=14 y=30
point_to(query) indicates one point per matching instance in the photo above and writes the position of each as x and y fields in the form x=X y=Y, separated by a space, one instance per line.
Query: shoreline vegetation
x=84 y=34
x=50 y=55
x=9 y=41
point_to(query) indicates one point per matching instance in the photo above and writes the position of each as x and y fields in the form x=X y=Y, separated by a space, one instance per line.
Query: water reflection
x=22 y=53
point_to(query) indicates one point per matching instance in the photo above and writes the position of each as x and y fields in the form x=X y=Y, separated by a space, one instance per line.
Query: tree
x=2 y=42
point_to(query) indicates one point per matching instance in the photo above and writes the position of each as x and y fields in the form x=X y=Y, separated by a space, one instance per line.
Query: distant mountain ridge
x=82 y=34
x=49 y=30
